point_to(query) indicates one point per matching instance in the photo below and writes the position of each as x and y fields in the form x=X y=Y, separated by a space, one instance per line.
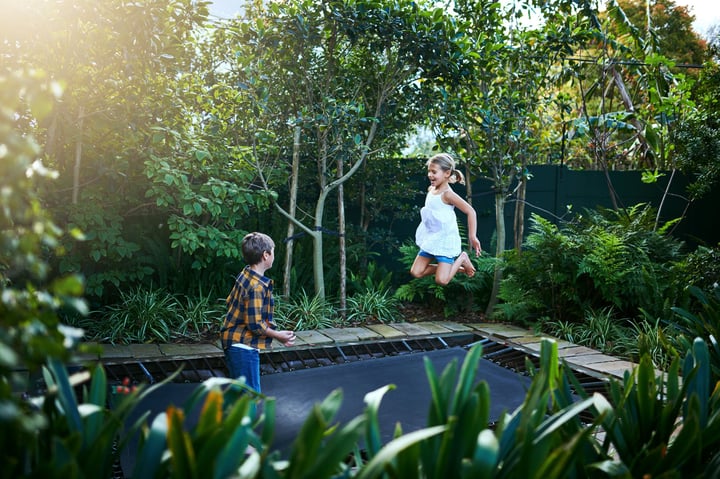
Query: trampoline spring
x=484 y=342
x=439 y=338
x=315 y=359
x=268 y=358
x=328 y=356
x=146 y=373
x=211 y=366
x=498 y=352
x=345 y=358
x=288 y=362
x=355 y=352
x=382 y=349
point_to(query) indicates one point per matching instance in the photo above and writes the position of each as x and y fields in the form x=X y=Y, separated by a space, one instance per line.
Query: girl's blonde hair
x=446 y=163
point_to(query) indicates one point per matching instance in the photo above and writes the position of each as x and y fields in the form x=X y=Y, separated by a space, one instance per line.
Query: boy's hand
x=286 y=337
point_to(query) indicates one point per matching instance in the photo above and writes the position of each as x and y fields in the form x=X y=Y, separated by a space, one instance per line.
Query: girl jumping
x=438 y=236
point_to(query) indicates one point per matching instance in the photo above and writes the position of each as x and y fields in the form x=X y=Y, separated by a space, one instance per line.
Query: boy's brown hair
x=254 y=245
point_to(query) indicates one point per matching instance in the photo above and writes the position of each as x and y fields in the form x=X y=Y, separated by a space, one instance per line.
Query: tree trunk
x=291 y=210
x=342 y=291
x=78 y=157
x=519 y=226
x=364 y=217
x=499 y=248
x=468 y=185
x=317 y=236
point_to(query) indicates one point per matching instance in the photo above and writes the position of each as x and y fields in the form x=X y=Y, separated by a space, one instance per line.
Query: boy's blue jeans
x=245 y=362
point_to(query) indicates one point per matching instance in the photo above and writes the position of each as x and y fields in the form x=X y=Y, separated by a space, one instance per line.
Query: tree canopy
x=175 y=134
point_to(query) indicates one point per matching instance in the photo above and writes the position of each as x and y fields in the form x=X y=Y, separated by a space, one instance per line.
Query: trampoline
x=408 y=404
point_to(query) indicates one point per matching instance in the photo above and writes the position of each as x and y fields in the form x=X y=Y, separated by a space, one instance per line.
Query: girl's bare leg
x=421 y=267
x=447 y=271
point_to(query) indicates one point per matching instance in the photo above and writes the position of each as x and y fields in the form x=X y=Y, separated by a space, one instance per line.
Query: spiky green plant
x=303 y=312
x=372 y=306
x=200 y=315
x=703 y=322
x=142 y=316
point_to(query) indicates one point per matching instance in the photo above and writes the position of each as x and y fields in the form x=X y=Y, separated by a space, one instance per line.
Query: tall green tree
x=667 y=27
x=344 y=72
x=634 y=95
x=496 y=122
x=141 y=164
x=115 y=60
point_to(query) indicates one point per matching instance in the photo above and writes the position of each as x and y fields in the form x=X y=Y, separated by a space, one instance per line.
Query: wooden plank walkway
x=580 y=358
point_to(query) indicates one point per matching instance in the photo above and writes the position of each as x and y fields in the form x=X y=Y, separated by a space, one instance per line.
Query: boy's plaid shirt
x=250 y=311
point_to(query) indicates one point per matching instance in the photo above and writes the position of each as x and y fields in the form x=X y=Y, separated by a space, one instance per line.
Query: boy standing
x=249 y=325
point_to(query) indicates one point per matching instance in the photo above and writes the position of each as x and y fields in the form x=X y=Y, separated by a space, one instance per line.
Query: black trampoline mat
x=408 y=404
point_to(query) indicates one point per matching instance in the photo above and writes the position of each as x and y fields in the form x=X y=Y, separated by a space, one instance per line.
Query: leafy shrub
x=703 y=322
x=603 y=259
x=660 y=427
x=653 y=426
x=304 y=313
x=371 y=306
x=604 y=331
x=200 y=315
x=376 y=278
x=700 y=268
x=142 y=316
x=31 y=296
x=652 y=339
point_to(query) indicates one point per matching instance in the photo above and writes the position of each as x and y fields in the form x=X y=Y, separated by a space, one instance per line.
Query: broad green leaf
x=372 y=436
x=375 y=467
x=151 y=453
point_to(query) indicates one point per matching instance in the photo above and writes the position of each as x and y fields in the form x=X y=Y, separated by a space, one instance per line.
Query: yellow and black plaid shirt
x=250 y=311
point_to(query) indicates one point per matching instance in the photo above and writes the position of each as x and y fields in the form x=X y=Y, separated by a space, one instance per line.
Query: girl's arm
x=452 y=198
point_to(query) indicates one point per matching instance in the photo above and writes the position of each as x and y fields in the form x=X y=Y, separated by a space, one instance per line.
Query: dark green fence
x=553 y=188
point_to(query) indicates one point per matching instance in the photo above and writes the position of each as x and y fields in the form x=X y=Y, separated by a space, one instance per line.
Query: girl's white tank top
x=438 y=232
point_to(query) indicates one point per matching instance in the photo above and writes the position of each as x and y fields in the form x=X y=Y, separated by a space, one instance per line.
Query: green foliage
x=203 y=200
x=304 y=312
x=120 y=66
x=82 y=438
x=605 y=332
x=371 y=306
x=375 y=278
x=32 y=296
x=216 y=445
x=660 y=427
x=141 y=316
x=672 y=34
x=703 y=321
x=200 y=315
x=700 y=268
x=475 y=291
x=149 y=315
x=104 y=254
x=653 y=425
x=603 y=259
x=651 y=338
x=698 y=153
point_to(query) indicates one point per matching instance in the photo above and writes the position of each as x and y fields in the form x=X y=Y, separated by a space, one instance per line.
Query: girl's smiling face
x=437 y=175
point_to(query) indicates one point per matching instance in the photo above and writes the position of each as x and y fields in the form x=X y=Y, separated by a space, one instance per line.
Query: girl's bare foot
x=466 y=265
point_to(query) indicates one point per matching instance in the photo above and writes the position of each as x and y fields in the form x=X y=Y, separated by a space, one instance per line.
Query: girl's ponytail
x=456 y=176
x=446 y=163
